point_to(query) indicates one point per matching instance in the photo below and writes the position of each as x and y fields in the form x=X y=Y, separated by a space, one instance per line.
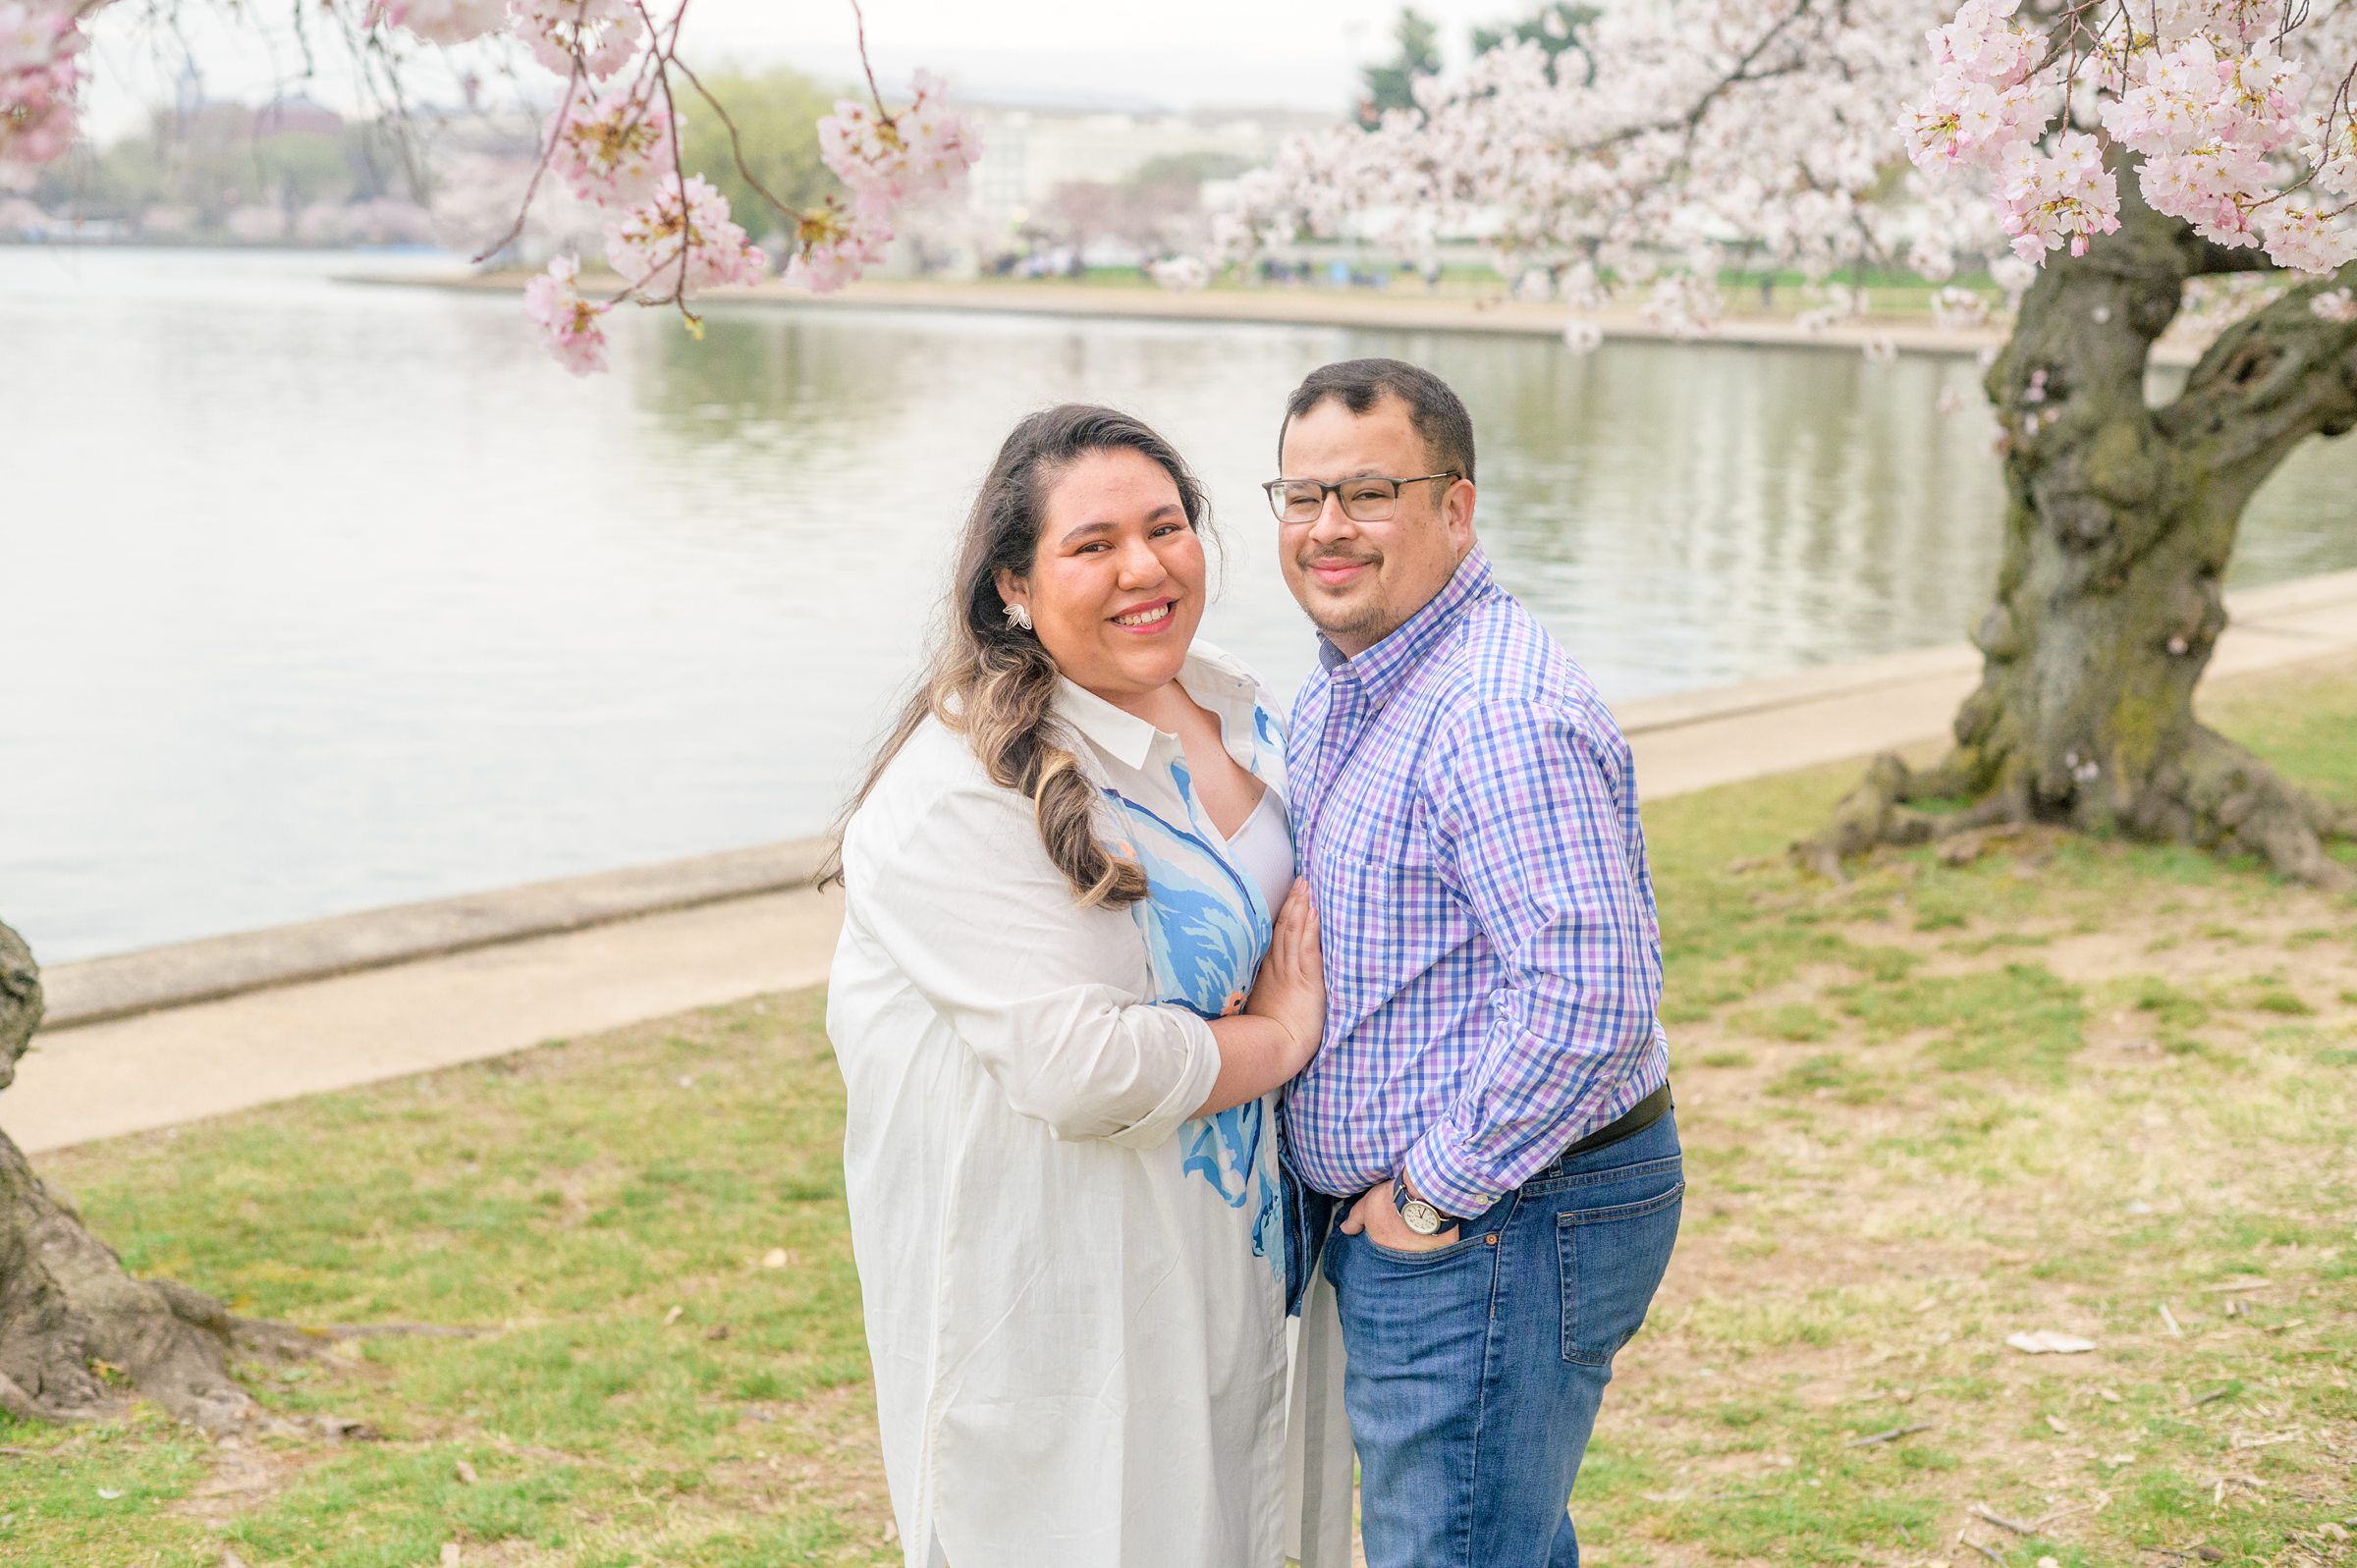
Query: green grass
x=645 y=1390
x=1923 y=1110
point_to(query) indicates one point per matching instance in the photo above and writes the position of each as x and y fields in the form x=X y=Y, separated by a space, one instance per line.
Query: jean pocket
x=1613 y=1261
x=1423 y=1256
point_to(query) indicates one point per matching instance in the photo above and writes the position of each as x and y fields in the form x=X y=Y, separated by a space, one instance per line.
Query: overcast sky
x=1303 y=53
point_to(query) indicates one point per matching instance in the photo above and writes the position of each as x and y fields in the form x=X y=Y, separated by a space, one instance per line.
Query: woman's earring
x=1020 y=615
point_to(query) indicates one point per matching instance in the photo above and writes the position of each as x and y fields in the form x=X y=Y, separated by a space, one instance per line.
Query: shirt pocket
x=1386 y=917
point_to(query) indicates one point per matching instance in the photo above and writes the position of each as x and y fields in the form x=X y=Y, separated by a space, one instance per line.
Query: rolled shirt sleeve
x=1532 y=834
x=970 y=909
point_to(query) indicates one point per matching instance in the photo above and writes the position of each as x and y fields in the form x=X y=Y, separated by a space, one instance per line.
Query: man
x=1491 y=1109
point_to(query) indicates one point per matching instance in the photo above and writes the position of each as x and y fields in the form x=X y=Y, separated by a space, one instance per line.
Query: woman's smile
x=1149 y=618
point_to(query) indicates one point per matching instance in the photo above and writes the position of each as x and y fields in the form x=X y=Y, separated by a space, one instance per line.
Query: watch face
x=1422 y=1217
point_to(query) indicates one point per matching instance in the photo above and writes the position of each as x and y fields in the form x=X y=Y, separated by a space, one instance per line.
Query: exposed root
x=20 y=1404
x=1879 y=813
x=2221 y=797
x=2213 y=795
x=1870 y=816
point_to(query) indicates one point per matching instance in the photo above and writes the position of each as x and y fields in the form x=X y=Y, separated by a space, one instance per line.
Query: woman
x=1061 y=878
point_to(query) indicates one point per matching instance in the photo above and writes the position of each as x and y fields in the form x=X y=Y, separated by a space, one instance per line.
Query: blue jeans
x=1476 y=1370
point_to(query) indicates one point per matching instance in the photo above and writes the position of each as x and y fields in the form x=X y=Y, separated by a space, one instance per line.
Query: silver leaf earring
x=1020 y=615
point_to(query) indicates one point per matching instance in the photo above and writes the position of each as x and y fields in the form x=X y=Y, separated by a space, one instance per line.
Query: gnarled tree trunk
x=67 y=1307
x=2120 y=522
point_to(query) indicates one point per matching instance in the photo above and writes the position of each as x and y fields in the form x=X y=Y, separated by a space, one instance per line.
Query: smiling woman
x=1075 y=970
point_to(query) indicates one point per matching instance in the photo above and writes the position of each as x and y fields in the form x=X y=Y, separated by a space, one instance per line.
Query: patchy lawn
x=2094 y=1089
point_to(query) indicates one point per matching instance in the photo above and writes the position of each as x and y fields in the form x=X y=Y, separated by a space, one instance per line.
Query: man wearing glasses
x=1490 y=1115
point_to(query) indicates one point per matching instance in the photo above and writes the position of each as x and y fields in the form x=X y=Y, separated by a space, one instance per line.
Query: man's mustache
x=1309 y=562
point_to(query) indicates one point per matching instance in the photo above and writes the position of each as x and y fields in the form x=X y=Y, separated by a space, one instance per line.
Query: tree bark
x=78 y=1334
x=2119 y=523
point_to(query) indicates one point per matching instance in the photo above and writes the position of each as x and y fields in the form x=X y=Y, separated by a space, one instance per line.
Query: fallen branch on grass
x=1892 y=1435
x=1982 y=1510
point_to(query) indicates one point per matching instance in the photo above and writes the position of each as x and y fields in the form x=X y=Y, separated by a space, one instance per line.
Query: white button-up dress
x=1074 y=1285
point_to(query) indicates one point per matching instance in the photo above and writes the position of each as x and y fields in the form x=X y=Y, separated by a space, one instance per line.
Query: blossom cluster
x=2214 y=100
x=612 y=141
x=884 y=160
x=681 y=242
x=40 y=73
x=612 y=146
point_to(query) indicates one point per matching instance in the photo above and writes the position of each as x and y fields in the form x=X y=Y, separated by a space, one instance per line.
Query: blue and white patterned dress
x=1207 y=926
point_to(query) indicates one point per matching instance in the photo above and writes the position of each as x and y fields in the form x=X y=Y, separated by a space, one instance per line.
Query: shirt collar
x=1209 y=676
x=1380 y=669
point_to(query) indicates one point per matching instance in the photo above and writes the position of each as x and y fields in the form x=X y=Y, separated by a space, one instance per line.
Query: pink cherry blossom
x=837 y=245
x=2047 y=203
x=36 y=34
x=570 y=326
x=441 y=21
x=1180 y=273
x=2336 y=306
x=2304 y=239
x=613 y=148
x=1685 y=306
x=679 y=241
x=600 y=34
x=40 y=76
x=884 y=160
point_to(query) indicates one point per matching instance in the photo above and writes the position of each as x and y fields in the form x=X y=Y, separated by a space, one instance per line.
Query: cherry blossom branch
x=531 y=189
x=679 y=168
x=1692 y=119
x=736 y=145
x=860 y=30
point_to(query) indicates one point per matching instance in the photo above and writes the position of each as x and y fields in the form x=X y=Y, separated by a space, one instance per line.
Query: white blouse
x=1074 y=1285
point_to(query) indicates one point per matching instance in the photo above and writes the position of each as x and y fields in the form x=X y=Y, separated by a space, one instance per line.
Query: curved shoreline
x=1280 y=306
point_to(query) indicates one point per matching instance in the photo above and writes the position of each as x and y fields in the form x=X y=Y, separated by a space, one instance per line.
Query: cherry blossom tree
x=2128 y=150
x=77 y=1331
x=611 y=140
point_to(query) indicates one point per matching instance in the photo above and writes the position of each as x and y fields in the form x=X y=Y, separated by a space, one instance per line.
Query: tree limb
x=2270 y=380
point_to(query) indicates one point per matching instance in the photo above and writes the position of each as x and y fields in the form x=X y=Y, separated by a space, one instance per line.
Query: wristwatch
x=1419 y=1216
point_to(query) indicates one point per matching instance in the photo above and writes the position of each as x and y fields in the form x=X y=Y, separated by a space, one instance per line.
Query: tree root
x=78 y=1335
x=2219 y=797
x=1879 y=813
x=2213 y=795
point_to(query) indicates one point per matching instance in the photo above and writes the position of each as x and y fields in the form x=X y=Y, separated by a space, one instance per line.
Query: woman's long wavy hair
x=993 y=682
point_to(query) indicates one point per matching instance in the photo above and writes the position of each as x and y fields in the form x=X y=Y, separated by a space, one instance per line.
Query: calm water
x=318 y=597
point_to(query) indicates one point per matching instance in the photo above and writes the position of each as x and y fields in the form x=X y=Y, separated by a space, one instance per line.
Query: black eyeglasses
x=1368 y=498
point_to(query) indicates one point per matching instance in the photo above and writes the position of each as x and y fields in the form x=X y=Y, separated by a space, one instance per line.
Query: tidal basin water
x=321 y=596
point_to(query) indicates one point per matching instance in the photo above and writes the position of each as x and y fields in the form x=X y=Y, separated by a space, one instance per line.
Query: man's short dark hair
x=1438 y=414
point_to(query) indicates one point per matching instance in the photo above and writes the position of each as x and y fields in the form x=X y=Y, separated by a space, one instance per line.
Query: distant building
x=1033 y=149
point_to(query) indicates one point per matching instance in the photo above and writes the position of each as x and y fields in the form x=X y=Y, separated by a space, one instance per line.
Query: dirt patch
x=241 y=1474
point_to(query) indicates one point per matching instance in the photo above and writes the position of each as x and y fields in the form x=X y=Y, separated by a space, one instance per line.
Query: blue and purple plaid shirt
x=1466 y=812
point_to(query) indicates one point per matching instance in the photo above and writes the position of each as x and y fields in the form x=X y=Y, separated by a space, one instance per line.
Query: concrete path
x=461 y=980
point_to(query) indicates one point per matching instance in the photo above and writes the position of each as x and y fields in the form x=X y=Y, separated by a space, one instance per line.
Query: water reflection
x=345 y=596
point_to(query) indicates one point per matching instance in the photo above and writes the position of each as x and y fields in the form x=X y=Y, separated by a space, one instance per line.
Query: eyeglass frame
x=1276 y=506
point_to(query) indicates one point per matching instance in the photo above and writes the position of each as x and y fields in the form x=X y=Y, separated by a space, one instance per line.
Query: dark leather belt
x=1640 y=1117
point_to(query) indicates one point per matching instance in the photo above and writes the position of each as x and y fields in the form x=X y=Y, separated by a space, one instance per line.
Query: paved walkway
x=462 y=999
